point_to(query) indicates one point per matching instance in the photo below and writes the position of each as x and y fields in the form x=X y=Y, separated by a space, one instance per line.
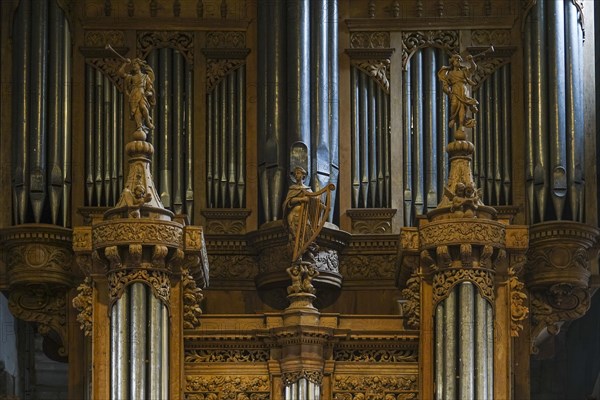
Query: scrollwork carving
x=226 y=40
x=83 y=303
x=378 y=70
x=376 y=355
x=217 y=69
x=233 y=267
x=485 y=68
x=412 y=41
x=158 y=281
x=494 y=37
x=138 y=232
x=463 y=232
x=103 y=38
x=518 y=303
x=368 y=267
x=444 y=281
x=226 y=355
x=110 y=68
x=314 y=376
x=180 y=41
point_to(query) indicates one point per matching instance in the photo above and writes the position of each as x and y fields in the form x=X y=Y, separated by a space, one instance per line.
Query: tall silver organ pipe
x=407 y=124
x=103 y=139
x=370 y=142
x=41 y=113
x=172 y=167
x=492 y=158
x=303 y=389
x=553 y=87
x=226 y=145
x=333 y=103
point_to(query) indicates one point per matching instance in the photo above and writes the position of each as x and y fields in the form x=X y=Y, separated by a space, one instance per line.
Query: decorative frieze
x=370 y=40
x=101 y=39
x=226 y=355
x=221 y=39
x=183 y=42
x=380 y=387
x=495 y=37
x=375 y=355
x=236 y=387
x=225 y=221
x=368 y=266
x=371 y=220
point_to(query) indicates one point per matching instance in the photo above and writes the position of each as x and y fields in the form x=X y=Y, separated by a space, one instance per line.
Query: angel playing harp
x=305 y=214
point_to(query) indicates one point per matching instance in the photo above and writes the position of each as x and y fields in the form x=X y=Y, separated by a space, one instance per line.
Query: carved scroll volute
x=558 y=274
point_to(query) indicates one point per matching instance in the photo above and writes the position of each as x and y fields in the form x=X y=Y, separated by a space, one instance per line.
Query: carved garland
x=226 y=355
x=444 y=281
x=314 y=376
x=192 y=296
x=412 y=41
x=83 y=303
x=518 y=303
x=180 y=41
x=370 y=40
x=412 y=307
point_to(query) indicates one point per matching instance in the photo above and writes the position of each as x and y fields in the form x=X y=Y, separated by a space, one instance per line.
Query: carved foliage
x=110 y=68
x=217 y=69
x=351 y=387
x=228 y=226
x=221 y=39
x=378 y=70
x=370 y=40
x=36 y=257
x=376 y=355
x=158 y=281
x=141 y=232
x=412 y=41
x=412 y=307
x=226 y=355
x=227 y=387
x=314 y=376
x=192 y=296
x=463 y=232
x=368 y=267
x=103 y=38
x=485 y=68
x=518 y=303
x=560 y=302
x=491 y=37
x=233 y=267
x=83 y=303
x=180 y=41
x=445 y=280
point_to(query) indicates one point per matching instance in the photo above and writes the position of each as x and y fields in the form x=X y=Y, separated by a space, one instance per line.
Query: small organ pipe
x=408 y=144
x=210 y=150
x=165 y=132
x=89 y=134
x=363 y=109
x=506 y=132
x=231 y=139
x=222 y=144
x=107 y=138
x=417 y=114
x=497 y=135
x=98 y=137
x=241 y=135
x=372 y=141
x=429 y=128
x=355 y=136
x=67 y=80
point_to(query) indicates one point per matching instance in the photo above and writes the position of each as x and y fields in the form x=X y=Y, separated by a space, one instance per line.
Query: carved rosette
x=558 y=273
x=39 y=275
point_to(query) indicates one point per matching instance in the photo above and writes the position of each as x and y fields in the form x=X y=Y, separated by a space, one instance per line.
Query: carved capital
x=157 y=280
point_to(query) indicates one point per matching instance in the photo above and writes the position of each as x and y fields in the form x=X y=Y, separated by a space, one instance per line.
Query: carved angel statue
x=465 y=199
x=135 y=199
x=139 y=86
x=302 y=276
x=456 y=81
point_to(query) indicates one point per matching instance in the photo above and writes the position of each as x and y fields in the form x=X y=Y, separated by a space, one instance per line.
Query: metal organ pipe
x=179 y=149
x=429 y=128
x=408 y=144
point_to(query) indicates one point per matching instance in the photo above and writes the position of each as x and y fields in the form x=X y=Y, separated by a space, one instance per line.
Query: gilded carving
x=116 y=233
x=376 y=355
x=158 y=281
x=409 y=239
x=378 y=70
x=370 y=40
x=485 y=37
x=461 y=232
x=518 y=303
x=233 y=267
x=314 y=376
x=381 y=387
x=412 y=41
x=222 y=39
x=226 y=355
x=368 y=266
x=192 y=296
x=217 y=69
x=235 y=387
x=44 y=305
x=517 y=238
x=83 y=303
x=444 y=281
x=102 y=38
x=411 y=308
x=183 y=42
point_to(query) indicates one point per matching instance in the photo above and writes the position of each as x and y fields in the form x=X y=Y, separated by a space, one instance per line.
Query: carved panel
x=225 y=221
x=518 y=303
x=234 y=387
x=226 y=355
x=180 y=41
x=83 y=304
x=314 y=376
x=463 y=232
x=217 y=69
x=372 y=221
x=412 y=41
x=226 y=40
x=495 y=37
x=158 y=281
x=376 y=355
x=120 y=233
x=381 y=387
x=103 y=38
x=411 y=308
x=368 y=267
x=233 y=267
x=370 y=40
x=444 y=281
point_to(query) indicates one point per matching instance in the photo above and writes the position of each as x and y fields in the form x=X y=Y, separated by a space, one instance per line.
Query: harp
x=313 y=215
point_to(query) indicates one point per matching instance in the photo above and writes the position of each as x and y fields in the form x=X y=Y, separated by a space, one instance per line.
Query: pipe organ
x=158 y=151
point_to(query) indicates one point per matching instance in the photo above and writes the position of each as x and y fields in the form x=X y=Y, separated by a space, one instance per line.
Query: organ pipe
x=164 y=126
x=408 y=144
x=179 y=149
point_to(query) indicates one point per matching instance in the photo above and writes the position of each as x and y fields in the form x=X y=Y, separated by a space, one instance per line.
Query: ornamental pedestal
x=144 y=270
